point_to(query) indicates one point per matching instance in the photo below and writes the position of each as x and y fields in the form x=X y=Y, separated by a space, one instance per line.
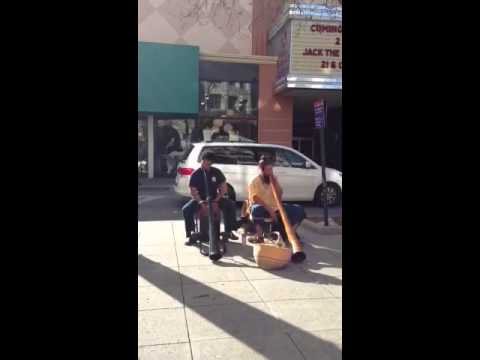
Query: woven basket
x=271 y=257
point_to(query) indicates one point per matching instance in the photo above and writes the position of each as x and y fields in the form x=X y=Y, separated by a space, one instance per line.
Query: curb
x=333 y=227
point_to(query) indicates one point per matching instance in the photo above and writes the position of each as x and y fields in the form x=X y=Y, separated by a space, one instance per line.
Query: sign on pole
x=319 y=110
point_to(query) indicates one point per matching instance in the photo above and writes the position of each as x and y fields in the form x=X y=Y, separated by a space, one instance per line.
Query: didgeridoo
x=297 y=250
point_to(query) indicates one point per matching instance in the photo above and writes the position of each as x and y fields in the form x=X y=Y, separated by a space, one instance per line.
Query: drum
x=270 y=256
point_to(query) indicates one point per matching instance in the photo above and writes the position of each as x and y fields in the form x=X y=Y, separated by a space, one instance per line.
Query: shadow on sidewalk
x=262 y=326
x=318 y=258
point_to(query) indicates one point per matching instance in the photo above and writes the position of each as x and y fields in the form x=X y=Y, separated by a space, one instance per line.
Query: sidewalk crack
x=183 y=295
x=296 y=347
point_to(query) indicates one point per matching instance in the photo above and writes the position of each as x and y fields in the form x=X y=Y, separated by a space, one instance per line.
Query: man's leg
x=258 y=214
x=188 y=211
x=295 y=214
x=229 y=215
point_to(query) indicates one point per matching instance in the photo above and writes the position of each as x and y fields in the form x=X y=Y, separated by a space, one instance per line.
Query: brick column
x=275 y=112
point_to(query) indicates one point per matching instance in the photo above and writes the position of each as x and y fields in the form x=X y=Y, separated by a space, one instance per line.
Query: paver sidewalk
x=190 y=308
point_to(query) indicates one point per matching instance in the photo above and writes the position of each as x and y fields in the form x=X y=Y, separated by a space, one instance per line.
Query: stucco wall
x=213 y=29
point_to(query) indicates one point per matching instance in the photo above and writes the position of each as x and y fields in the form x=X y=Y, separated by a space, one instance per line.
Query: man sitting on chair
x=262 y=201
x=217 y=187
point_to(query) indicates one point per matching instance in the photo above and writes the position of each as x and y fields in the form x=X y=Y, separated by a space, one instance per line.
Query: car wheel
x=231 y=193
x=333 y=195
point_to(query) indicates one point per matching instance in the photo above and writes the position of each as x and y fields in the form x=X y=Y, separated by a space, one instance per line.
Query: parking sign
x=319 y=111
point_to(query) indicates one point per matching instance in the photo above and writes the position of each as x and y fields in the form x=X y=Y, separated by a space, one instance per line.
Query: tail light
x=185 y=171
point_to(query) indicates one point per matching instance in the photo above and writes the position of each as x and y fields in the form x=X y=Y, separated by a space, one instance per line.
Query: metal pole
x=324 y=164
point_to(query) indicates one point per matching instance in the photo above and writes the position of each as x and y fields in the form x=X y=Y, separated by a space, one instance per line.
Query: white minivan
x=299 y=176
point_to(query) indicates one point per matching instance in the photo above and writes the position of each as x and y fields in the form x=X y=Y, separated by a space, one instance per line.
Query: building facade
x=207 y=75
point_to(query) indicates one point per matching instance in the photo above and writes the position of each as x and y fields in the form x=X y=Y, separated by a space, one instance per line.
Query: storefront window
x=172 y=139
x=142 y=146
x=228 y=103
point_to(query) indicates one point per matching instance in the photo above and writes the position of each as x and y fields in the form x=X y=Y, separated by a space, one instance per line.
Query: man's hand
x=222 y=191
x=203 y=205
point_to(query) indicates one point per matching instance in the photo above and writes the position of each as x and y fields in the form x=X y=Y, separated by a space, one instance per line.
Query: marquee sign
x=316 y=48
x=309 y=54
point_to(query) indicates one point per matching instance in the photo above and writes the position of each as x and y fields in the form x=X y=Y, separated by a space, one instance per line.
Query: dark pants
x=295 y=213
x=226 y=205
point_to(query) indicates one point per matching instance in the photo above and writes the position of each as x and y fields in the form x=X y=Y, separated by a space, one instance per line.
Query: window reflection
x=224 y=130
x=228 y=98
x=233 y=155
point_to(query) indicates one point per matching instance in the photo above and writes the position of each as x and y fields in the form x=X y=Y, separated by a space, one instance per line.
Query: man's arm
x=222 y=190
x=195 y=194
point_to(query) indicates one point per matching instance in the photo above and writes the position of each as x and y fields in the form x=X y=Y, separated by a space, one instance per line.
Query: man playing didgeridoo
x=262 y=201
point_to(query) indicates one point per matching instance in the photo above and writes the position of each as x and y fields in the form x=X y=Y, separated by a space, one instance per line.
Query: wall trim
x=243 y=59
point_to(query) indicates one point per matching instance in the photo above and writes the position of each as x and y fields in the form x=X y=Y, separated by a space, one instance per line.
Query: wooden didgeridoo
x=297 y=250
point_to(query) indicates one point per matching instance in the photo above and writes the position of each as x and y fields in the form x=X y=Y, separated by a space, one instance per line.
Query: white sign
x=316 y=48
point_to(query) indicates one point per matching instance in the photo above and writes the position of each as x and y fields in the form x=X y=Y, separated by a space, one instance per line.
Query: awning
x=168 y=79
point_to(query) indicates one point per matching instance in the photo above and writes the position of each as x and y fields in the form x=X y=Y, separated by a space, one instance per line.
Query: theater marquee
x=309 y=54
x=316 y=48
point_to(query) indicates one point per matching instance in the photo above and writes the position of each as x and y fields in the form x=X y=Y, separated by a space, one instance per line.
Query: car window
x=244 y=155
x=281 y=159
x=264 y=151
x=231 y=155
x=293 y=160
x=222 y=155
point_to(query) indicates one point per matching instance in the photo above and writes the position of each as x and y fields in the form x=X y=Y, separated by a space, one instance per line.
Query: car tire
x=231 y=193
x=333 y=192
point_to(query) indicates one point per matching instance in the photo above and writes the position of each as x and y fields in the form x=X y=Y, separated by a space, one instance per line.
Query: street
x=162 y=203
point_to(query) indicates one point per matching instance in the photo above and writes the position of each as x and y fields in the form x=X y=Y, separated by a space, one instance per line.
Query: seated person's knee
x=187 y=209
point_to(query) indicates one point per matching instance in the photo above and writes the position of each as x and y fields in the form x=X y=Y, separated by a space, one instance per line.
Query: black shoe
x=189 y=242
x=232 y=236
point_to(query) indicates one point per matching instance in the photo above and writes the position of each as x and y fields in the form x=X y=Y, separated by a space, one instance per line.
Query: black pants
x=226 y=205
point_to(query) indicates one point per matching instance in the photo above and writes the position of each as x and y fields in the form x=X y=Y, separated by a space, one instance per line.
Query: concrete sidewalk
x=190 y=308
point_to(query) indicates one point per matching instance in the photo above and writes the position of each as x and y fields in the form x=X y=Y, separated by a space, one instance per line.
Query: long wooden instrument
x=297 y=250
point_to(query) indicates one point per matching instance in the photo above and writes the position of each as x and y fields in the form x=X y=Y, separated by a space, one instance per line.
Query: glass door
x=142 y=147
